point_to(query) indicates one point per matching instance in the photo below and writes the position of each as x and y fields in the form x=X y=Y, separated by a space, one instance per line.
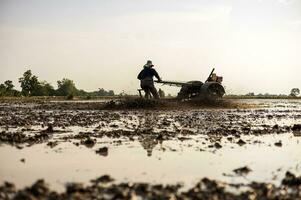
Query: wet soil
x=116 y=129
x=105 y=188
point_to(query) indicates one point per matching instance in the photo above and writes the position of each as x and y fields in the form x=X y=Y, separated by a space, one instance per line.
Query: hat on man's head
x=149 y=63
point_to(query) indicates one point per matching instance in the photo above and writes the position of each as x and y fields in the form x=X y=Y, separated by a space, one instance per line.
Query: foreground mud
x=104 y=188
x=223 y=151
x=28 y=124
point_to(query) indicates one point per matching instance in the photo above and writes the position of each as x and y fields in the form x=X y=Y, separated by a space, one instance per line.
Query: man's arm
x=156 y=75
x=140 y=75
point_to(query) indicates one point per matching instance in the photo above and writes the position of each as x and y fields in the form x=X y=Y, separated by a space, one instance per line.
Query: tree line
x=293 y=93
x=32 y=86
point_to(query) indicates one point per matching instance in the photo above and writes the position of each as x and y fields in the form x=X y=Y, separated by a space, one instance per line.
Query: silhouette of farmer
x=146 y=80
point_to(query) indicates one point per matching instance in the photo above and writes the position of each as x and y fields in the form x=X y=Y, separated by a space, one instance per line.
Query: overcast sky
x=255 y=45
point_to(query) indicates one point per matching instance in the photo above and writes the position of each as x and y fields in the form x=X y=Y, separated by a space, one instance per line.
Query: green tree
x=7 y=89
x=2 y=90
x=47 y=89
x=82 y=93
x=111 y=93
x=103 y=92
x=29 y=83
x=66 y=87
x=250 y=94
x=9 y=85
x=295 y=92
x=43 y=89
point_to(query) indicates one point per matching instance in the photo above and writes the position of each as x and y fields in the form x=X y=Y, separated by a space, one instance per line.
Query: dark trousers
x=149 y=89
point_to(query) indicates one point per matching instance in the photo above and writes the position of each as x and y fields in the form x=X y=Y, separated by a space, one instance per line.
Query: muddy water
x=200 y=143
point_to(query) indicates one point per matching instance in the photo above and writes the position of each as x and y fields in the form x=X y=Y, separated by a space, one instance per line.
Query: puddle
x=187 y=155
x=170 y=162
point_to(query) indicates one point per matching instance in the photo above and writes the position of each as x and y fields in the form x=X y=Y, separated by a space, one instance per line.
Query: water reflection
x=149 y=143
x=146 y=125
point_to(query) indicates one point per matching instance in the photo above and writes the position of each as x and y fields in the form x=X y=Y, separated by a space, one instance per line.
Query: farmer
x=146 y=80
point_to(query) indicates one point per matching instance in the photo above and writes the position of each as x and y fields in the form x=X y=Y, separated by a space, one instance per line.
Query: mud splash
x=170 y=104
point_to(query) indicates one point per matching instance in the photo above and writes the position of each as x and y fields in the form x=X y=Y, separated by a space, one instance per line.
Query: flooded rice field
x=67 y=150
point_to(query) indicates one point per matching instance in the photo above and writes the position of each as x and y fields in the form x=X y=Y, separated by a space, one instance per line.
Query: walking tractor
x=212 y=88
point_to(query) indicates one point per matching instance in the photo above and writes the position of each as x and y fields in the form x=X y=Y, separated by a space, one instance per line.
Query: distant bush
x=7 y=89
x=102 y=92
x=69 y=97
x=66 y=87
x=295 y=92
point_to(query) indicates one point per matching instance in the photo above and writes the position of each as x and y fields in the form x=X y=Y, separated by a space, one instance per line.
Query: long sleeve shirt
x=148 y=72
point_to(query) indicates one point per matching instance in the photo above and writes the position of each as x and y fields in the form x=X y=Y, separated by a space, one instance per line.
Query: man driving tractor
x=146 y=80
